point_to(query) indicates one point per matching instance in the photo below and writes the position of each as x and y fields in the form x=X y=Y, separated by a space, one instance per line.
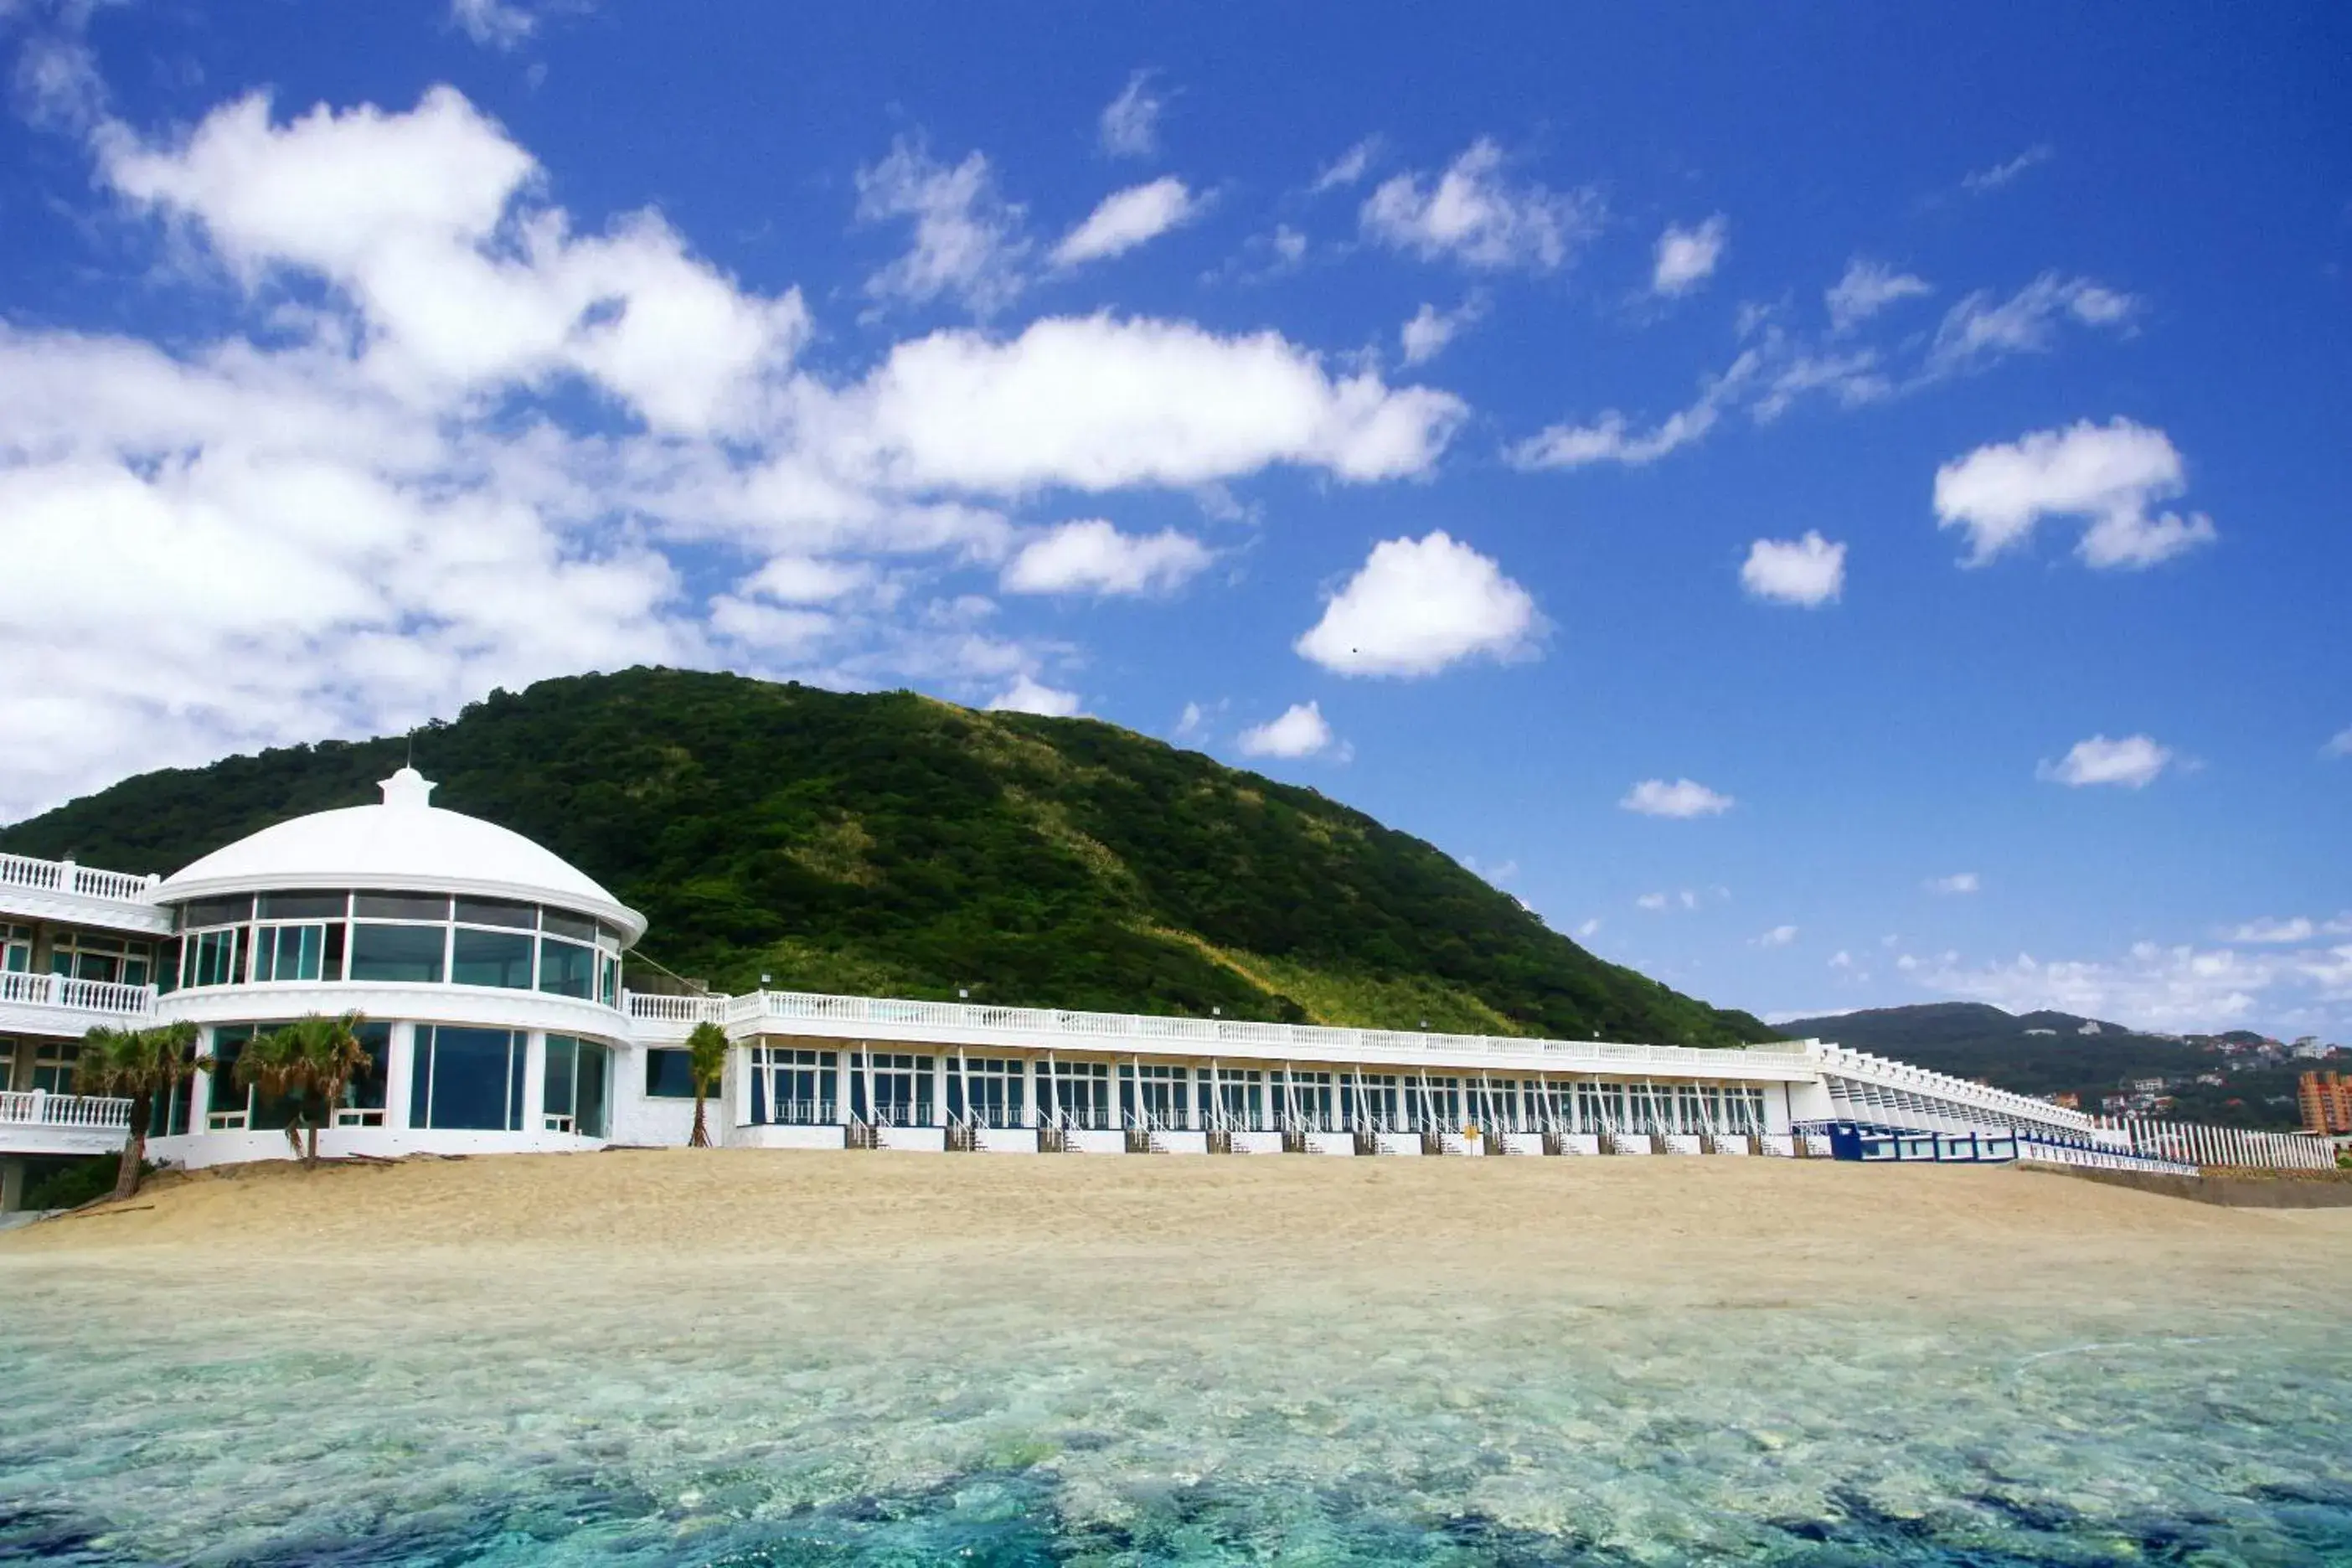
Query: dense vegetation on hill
x=2048 y=1052
x=894 y=844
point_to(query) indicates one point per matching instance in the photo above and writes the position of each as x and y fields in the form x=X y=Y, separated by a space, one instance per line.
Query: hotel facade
x=489 y=973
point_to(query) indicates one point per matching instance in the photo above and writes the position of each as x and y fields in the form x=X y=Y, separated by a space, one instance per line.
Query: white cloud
x=2110 y=474
x=1094 y=557
x=421 y=434
x=798 y=580
x=1418 y=605
x=1868 y=288
x=493 y=23
x=2178 y=987
x=1984 y=180
x=968 y=243
x=1191 y=725
x=1300 y=732
x=2338 y=744
x=1841 y=958
x=1809 y=571
x=1779 y=936
x=1128 y=218
x=1589 y=929
x=1476 y=216
x=2133 y=762
x=1131 y=122
x=1682 y=798
x=1685 y=257
x=1612 y=437
x=1684 y=898
x=2268 y=931
x=1958 y=882
x=1980 y=330
x=1425 y=336
x=1028 y=695
x=1097 y=402
x=1348 y=167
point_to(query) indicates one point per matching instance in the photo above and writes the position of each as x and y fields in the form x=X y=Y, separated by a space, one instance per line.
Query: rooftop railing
x=77 y=995
x=1044 y=1023
x=82 y=881
x=38 y=1107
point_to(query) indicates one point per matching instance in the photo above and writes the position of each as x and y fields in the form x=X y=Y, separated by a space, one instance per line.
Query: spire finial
x=407 y=789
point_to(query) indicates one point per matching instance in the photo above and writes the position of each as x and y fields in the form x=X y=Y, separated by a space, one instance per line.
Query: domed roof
x=405 y=843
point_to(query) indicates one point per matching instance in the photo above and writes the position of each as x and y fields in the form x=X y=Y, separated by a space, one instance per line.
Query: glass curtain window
x=241 y=1106
x=15 y=949
x=1075 y=1093
x=573 y=1098
x=467 y=1078
x=565 y=968
x=368 y=1086
x=409 y=953
x=285 y=954
x=212 y=958
x=499 y=958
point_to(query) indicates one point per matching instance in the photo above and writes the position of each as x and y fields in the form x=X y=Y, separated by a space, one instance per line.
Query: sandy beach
x=697 y=1356
x=1663 y=1230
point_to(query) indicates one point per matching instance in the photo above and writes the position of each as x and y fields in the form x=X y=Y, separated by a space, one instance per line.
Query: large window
x=53 y=1066
x=15 y=948
x=237 y=1107
x=491 y=958
x=413 y=955
x=1074 y=1094
x=796 y=1087
x=467 y=1078
x=577 y=1079
x=897 y=1087
x=390 y=938
x=669 y=1075
x=93 y=955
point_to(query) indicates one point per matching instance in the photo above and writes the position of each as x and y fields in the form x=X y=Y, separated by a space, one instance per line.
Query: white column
x=399 y=1075
x=740 y=1059
x=200 y=1089
x=534 y=1082
x=1028 y=1092
x=939 y=1086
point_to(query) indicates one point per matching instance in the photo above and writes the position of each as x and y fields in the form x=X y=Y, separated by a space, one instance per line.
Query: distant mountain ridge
x=891 y=844
x=2043 y=1053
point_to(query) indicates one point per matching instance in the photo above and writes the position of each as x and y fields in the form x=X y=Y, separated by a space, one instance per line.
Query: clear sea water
x=1079 y=1412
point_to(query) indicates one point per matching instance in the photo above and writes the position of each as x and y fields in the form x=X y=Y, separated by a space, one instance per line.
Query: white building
x=489 y=973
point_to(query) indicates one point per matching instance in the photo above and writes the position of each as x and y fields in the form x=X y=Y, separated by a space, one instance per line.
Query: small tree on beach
x=706 y=1059
x=143 y=1066
x=313 y=1059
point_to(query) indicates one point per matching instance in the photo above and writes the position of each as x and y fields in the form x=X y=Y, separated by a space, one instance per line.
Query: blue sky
x=1831 y=509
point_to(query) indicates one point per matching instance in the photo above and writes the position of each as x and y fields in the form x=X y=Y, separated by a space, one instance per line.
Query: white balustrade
x=65 y=876
x=1306 y=1042
x=38 y=1107
x=78 y=996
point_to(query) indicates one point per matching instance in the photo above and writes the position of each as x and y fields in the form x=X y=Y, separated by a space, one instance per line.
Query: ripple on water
x=658 y=1427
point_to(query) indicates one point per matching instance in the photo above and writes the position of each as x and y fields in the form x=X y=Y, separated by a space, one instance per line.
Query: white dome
x=405 y=843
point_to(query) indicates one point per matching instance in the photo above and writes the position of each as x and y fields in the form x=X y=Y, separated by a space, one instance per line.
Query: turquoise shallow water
x=894 y=1414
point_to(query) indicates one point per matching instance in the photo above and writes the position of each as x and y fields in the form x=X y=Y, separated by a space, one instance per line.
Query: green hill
x=897 y=845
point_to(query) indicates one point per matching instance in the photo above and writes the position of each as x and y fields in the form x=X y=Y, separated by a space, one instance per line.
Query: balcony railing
x=82 y=881
x=39 y=1107
x=99 y=997
x=1307 y=1042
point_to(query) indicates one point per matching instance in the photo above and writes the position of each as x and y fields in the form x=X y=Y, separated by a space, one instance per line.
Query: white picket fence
x=2229 y=1148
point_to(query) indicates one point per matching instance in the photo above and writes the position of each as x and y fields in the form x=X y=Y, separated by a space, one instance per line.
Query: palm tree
x=706 y=1055
x=141 y=1065
x=313 y=1058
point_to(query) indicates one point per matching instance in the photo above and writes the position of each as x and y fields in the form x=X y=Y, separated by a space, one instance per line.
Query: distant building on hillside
x=2144 y=1085
x=2310 y=1045
x=2042 y=1031
x=2325 y=1099
x=2065 y=1099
